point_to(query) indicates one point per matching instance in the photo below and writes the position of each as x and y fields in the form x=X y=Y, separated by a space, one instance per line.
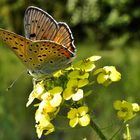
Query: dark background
x=110 y=28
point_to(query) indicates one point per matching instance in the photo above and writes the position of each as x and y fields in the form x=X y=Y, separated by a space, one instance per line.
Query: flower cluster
x=66 y=88
x=126 y=110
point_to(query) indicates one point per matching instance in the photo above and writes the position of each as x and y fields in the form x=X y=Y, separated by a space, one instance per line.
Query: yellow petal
x=129 y=116
x=84 y=120
x=127 y=105
x=78 y=95
x=136 y=107
x=121 y=114
x=39 y=130
x=94 y=58
x=117 y=104
x=46 y=107
x=46 y=96
x=42 y=105
x=56 y=90
x=30 y=99
x=58 y=73
x=67 y=94
x=73 y=122
x=116 y=76
x=39 y=115
x=98 y=71
x=89 y=66
x=83 y=110
x=44 y=120
x=72 y=113
x=102 y=78
x=85 y=65
x=36 y=93
x=82 y=82
x=78 y=74
x=56 y=101
x=50 y=128
x=72 y=83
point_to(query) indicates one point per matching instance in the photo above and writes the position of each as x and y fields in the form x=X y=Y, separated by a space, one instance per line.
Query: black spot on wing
x=32 y=35
x=15 y=48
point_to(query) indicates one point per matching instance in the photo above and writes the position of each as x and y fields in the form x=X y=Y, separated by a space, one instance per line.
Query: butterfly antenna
x=12 y=84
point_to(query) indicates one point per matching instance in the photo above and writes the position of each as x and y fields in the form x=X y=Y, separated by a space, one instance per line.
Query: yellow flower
x=36 y=93
x=46 y=107
x=53 y=96
x=44 y=124
x=39 y=114
x=73 y=89
x=78 y=74
x=86 y=65
x=107 y=75
x=79 y=116
x=125 y=109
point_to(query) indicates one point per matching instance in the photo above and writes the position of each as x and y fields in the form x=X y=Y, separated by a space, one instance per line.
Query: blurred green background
x=110 y=28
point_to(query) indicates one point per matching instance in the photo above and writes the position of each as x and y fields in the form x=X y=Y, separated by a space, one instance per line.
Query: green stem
x=117 y=132
x=128 y=132
x=97 y=130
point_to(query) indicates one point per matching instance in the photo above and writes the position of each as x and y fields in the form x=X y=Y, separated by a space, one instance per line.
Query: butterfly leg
x=34 y=82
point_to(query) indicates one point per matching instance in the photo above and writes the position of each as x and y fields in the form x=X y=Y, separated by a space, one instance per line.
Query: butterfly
x=48 y=45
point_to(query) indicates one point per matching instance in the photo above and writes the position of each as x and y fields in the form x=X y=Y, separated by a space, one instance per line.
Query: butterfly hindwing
x=39 y=25
x=64 y=37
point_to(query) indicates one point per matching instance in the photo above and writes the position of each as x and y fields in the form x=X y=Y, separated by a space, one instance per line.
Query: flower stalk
x=128 y=132
x=96 y=128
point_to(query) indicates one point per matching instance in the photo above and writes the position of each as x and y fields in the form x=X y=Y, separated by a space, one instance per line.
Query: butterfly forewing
x=16 y=43
x=39 y=25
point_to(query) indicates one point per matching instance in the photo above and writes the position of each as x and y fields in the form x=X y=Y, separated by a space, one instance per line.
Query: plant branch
x=97 y=130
